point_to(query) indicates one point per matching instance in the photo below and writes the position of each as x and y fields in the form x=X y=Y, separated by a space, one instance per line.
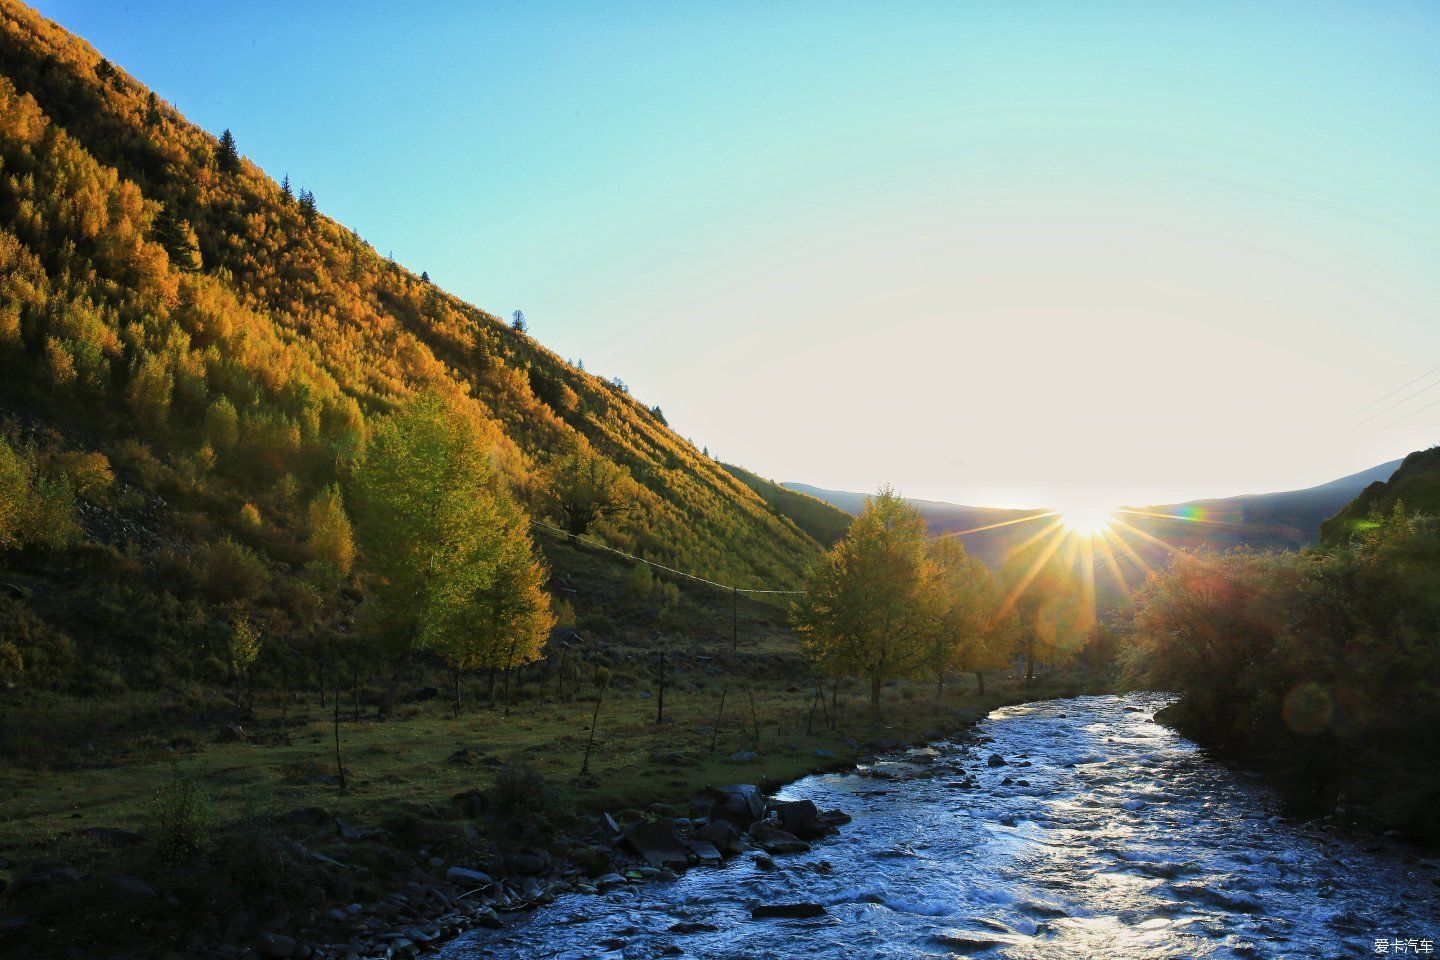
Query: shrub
x=181 y=819
x=525 y=805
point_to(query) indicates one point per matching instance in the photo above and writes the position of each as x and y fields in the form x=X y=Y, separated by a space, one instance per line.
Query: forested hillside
x=1415 y=485
x=190 y=353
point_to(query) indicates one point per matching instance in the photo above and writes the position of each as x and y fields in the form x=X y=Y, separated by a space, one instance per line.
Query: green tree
x=581 y=489
x=433 y=530
x=245 y=646
x=870 y=601
x=227 y=158
x=36 y=508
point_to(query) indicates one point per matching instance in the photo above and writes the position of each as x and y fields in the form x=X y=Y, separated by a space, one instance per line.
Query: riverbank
x=290 y=857
x=1056 y=829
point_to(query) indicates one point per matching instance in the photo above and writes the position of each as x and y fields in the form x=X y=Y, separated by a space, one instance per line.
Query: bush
x=181 y=820
x=526 y=806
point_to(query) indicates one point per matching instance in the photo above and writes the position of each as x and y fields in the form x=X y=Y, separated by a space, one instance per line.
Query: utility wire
x=1397 y=403
x=659 y=566
x=1392 y=393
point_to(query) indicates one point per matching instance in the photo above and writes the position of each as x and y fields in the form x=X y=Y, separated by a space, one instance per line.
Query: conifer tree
x=307 y=206
x=285 y=190
x=228 y=157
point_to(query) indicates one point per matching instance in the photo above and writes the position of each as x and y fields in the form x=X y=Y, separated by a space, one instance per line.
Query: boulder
x=130 y=892
x=763 y=862
x=704 y=851
x=528 y=862
x=348 y=831
x=692 y=926
x=779 y=842
x=800 y=817
x=465 y=877
x=742 y=756
x=658 y=843
x=276 y=946
x=790 y=911
x=721 y=833
x=231 y=733
x=996 y=760
x=740 y=803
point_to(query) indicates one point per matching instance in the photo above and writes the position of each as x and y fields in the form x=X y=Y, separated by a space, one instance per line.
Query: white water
x=1127 y=843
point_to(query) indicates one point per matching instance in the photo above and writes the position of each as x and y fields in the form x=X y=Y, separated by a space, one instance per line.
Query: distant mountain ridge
x=1287 y=519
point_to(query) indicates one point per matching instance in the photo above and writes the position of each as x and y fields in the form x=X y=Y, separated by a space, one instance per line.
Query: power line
x=1392 y=393
x=1397 y=403
x=1396 y=423
x=659 y=566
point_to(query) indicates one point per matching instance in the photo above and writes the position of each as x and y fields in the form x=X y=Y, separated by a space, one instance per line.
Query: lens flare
x=1086 y=519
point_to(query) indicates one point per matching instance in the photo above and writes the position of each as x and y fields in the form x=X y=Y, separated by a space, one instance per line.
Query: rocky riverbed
x=1072 y=828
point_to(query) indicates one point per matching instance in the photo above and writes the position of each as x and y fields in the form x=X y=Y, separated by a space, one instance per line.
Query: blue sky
x=993 y=252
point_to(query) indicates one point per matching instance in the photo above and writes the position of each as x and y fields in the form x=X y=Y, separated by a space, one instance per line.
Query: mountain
x=823 y=521
x=1416 y=484
x=210 y=348
x=1286 y=520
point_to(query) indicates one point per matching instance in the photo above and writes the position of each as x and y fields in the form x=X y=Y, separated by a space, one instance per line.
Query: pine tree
x=307 y=206
x=178 y=239
x=517 y=321
x=228 y=158
x=153 y=117
x=285 y=190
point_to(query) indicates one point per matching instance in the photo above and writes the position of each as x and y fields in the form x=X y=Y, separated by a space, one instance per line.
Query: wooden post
x=715 y=730
x=339 y=760
x=734 y=618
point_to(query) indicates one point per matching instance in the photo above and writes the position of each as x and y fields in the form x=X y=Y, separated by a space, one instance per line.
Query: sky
x=1012 y=254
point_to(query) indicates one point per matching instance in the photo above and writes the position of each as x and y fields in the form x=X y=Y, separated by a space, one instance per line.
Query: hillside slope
x=1416 y=484
x=823 y=521
x=197 y=351
x=1286 y=520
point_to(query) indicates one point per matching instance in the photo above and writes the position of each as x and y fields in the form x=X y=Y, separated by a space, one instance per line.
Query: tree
x=285 y=190
x=517 y=321
x=307 y=206
x=227 y=158
x=435 y=533
x=582 y=488
x=331 y=539
x=869 y=600
x=964 y=605
x=35 y=507
x=245 y=646
x=178 y=239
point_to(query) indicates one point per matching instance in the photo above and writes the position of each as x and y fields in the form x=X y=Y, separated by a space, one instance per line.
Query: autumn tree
x=245 y=646
x=870 y=601
x=581 y=488
x=964 y=603
x=36 y=508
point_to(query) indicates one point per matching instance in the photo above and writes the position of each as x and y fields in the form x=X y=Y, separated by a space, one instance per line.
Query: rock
x=130 y=892
x=763 y=862
x=742 y=756
x=825 y=754
x=693 y=926
x=788 y=911
x=231 y=733
x=996 y=760
x=1133 y=710
x=780 y=842
x=528 y=862
x=346 y=831
x=276 y=946
x=658 y=843
x=800 y=817
x=721 y=833
x=114 y=836
x=609 y=881
x=609 y=827
x=465 y=877
x=740 y=803
x=704 y=851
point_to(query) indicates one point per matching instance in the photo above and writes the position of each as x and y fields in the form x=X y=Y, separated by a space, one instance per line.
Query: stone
x=276 y=946
x=465 y=877
x=740 y=803
x=693 y=926
x=742 y=756
x=231 y=733
x=800 y=817
x=527 y=862
x=781 y=842
x=658 y=843
x=609 y=881
x=763 y=862
x=347 y=831
x=824 y=754
x=131 y=892
x=721 y=833
x=704 y=851
x=114 y=836
x=787 y=911
x=996 y=760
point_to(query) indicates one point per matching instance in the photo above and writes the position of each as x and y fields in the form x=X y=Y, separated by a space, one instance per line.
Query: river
x=1120 y=839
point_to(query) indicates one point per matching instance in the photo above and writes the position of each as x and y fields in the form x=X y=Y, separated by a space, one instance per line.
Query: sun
x=1086 y=519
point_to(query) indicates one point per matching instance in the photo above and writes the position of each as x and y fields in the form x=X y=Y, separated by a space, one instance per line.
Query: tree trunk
x=980 y=682
x=357 y=692
x=322 y=683
x=491 y=676
x=509 y=661
x=875 y=693
x=939 y=687
x=1029 y=667
x=457 y=693
x=594 y=722
x=339 y=760
x=719 y=714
